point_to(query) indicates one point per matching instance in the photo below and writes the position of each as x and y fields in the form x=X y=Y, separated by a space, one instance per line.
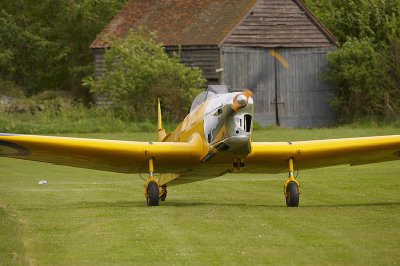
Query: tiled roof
x=271 y=23
x=178 y=22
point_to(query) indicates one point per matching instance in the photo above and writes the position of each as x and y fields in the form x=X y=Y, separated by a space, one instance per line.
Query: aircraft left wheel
x=153 y=196
x=292 y=199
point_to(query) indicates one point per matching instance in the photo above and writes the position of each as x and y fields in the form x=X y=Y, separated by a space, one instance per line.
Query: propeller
x=241 y=100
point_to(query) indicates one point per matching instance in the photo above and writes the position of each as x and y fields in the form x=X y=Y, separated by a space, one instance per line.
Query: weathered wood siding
x=303 y=94
x=252 y=68
x=293 y=97
x=278 y=23
x=207 y=58
x=98 y=55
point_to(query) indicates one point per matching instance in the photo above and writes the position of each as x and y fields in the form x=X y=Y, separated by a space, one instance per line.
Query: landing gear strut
x=291 y=188
x=163 y=192
x=152 y=188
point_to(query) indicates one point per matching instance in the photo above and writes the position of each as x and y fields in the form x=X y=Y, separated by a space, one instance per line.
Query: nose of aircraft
x=241 y=100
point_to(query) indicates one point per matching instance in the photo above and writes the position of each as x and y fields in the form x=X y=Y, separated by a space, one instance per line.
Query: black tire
x=292 y=200
x=152 y=192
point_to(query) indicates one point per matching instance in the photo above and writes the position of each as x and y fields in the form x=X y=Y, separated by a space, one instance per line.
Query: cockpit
x=211 y=91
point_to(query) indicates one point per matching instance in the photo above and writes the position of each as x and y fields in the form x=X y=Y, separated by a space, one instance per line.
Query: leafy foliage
x=56 y=113
x=366 y=65
x=375 y=20
x=44 y=44
x=359 y=71
x=137 y=70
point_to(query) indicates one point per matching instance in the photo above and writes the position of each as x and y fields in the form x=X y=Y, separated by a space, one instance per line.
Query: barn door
x=303 y=95
x=292 y=95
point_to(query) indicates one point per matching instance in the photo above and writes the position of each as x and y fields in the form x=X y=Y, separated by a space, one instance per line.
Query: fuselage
x=224 y=125
x=225 y=135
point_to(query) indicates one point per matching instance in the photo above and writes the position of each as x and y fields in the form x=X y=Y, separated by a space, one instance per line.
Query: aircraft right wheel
x=292 y=200
x=153 y=196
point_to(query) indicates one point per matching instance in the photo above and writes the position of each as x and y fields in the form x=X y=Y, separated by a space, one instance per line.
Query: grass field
x=347 y=215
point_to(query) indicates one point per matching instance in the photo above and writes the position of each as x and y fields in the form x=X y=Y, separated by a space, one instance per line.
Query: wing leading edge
x=107 y=155
x=132 y=157
x=321 y=153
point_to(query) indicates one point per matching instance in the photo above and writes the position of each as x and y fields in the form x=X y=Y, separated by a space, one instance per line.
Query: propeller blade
x=241 y=100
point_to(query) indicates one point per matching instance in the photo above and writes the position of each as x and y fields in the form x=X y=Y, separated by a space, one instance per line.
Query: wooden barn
x=276 y=48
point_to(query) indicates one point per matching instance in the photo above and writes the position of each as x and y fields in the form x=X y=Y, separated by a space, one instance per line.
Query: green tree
x=366 y=65
x=372 y=19
x=361 y=75
x=137 y=71
x=44 y=44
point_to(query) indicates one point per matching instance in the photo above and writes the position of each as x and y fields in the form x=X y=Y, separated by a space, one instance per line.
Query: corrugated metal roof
x=216 y=22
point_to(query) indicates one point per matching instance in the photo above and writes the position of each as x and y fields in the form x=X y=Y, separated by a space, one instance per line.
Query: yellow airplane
x=214 y=139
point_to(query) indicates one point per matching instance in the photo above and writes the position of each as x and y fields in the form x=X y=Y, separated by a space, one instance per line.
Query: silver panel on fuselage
x=222 y=123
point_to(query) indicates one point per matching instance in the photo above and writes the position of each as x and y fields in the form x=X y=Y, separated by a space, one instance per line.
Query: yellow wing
x=108 y=155
x=273 y=156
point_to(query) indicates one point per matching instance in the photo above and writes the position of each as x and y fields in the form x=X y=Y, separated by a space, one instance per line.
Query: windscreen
x=201 y=98
x=211 y=91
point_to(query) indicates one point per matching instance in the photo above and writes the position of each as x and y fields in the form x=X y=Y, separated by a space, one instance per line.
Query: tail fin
x=160 y=131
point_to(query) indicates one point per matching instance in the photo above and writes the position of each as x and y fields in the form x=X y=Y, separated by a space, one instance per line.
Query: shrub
x=366 y=66
x=137 y=71
x=361 y=74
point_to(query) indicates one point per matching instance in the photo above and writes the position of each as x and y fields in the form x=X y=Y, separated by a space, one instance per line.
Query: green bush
x=361 y=74
x=137 y=71
x=366 y=66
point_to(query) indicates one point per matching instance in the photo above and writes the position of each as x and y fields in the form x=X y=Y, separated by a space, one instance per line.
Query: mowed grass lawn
x=347 y=215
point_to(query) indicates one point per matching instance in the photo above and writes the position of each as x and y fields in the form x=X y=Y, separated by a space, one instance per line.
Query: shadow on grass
x=353 y=205
x=188 y=204
x=142 y=204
